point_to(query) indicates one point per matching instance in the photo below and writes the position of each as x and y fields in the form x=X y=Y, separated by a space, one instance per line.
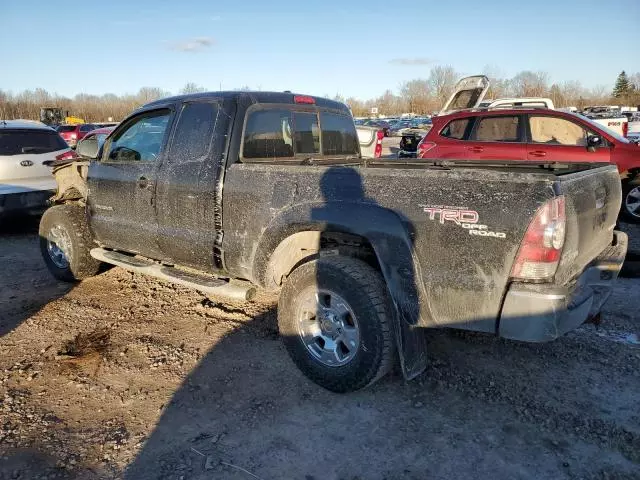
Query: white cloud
x=412 y=61
x=193 y=45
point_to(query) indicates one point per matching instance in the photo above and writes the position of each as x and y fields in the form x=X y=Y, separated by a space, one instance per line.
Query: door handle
x=143 y=182
x=538 y=153
x=476 y=149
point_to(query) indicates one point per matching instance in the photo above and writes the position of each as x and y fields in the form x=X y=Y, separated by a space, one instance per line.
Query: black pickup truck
x=231 y=191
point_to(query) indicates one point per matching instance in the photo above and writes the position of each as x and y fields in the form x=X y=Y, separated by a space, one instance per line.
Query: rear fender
x=295 y=234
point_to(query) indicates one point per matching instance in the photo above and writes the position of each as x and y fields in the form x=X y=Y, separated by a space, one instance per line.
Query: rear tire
x=630 y=210
x=65 y=242
x=357 y=290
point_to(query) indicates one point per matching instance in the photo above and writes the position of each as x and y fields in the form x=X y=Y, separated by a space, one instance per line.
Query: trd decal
x=462 y=217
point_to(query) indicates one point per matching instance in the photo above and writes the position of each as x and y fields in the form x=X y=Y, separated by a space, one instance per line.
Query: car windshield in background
x=18 y=142
x=66 y=128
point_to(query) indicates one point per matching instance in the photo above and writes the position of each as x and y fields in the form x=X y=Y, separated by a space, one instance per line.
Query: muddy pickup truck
x=231 y=191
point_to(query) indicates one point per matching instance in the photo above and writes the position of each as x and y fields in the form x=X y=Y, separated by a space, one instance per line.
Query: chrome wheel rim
x=59 y=247
x=632 y=202
x=327 y=327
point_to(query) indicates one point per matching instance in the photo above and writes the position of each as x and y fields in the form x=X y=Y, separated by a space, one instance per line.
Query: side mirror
x=594 y=141
x=88 y=148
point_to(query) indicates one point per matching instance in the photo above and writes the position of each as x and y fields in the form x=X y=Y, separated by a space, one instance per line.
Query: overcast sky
x=355 y=48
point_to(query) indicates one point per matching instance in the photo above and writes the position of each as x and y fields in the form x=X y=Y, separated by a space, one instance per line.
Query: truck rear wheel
x=631 y=200
x=65 y=242
x=334 y=317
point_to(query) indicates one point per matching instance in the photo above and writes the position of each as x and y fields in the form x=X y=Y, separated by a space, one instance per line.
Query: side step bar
x=213 y=286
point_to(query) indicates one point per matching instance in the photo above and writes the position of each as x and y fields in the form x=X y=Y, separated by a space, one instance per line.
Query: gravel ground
x=123 y=376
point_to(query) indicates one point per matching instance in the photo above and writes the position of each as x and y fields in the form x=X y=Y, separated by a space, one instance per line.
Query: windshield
x=598 y=126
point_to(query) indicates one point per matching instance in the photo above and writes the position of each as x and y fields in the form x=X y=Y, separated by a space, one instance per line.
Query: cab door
x=189 y=184
x=122 y=184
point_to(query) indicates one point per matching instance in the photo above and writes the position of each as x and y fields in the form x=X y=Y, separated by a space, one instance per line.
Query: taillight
x=379 y=139
x=73 y=135
x=67 y=155
x=542 y=244
x=625 y=128
x=304 y=99
x=424 y=147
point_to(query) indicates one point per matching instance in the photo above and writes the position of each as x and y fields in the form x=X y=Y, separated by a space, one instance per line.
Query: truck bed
x=460 y=279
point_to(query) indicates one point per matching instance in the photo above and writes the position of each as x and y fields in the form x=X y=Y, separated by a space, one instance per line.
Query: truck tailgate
x=592 y=205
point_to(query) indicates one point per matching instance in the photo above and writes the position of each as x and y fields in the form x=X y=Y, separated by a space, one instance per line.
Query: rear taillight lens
x=424 y=147
x=379 y=139
x=67 y=155
x=542 y=244
x=625 y=129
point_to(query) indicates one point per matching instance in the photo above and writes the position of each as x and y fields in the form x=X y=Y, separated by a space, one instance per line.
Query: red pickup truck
x=542 y=135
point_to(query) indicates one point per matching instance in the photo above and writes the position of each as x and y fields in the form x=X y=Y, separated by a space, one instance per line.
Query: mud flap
x=412 y=348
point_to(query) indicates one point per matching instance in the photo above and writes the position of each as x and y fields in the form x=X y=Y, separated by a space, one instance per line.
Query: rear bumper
x=540 y=313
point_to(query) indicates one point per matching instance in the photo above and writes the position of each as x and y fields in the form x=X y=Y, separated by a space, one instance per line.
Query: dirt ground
x=122 y=376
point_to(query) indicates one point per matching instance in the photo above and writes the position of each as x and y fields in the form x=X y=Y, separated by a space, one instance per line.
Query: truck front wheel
x=65 y=241
x=334 y=316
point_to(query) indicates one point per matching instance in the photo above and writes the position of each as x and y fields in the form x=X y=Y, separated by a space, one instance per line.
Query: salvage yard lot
x=126 y=376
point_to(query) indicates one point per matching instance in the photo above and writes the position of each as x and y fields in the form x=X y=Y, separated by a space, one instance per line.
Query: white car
x=25 y=181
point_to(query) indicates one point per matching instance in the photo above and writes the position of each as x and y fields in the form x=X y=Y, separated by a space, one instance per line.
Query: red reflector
x=304 y=99
x=67 y=155
x=379 y=138
x=625 y=129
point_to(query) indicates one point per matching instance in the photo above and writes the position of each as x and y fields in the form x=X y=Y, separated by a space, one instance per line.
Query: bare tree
x=530 y=84
x=192 y=88
x=441 y=81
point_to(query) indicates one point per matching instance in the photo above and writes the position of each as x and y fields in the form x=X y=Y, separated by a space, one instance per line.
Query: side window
x=497 y=129
x=194 y=131
x=338 y=134
x=307 y=132
x=557 y=131
x=140 y=140
x=268 y=134
x=456 y=128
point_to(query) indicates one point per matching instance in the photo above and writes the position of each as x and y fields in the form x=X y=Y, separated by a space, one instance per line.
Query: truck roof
x=254 y=97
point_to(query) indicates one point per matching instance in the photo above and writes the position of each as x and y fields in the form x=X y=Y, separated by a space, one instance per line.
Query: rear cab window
x=194 y=131
x=281 y=133
x=33 y=141
x=66 y=128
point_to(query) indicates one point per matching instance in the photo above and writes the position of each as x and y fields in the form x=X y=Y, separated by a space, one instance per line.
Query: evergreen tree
x=621 y=88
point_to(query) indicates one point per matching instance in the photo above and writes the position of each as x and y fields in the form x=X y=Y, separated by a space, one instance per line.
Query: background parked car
x=93 y=141
x=26 y=183
x=74 y=133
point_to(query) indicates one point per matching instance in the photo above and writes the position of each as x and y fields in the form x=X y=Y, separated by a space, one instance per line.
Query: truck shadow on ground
x=25 y=287
x=246 y=406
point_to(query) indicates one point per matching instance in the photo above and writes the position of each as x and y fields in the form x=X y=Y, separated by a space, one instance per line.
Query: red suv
x=535 y=135
x=72 y=134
